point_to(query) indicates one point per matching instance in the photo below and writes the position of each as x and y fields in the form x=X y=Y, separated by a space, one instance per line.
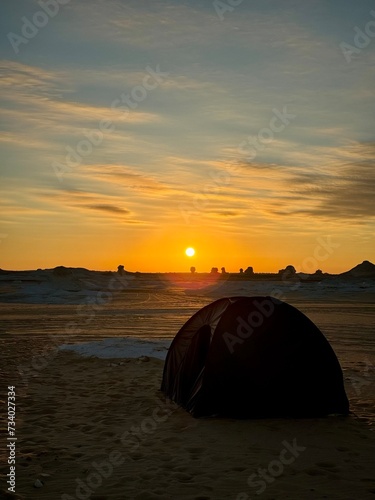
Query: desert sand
x=91 y=427
x=100 y=429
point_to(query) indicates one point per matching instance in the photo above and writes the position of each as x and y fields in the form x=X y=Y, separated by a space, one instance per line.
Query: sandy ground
x=100 y=429
x=90 y=428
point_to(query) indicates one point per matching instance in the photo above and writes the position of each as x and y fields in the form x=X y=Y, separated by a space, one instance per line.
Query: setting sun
x=190 y=252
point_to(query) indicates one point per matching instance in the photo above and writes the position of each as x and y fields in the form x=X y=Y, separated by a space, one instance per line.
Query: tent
x=253 y=357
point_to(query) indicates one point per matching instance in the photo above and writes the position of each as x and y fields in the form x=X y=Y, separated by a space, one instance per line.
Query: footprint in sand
x=323 y=469
x=238 y=469
x=315 y=472
x=86 y=428
x=326 y=465
x=165 y=457
x=167 y=440
x=108 y=433
x=147 y=475
x=182 y=477
x=137 y=456
x=195 y=450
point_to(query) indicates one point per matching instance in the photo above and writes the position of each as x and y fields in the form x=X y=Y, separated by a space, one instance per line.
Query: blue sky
x=177 y=168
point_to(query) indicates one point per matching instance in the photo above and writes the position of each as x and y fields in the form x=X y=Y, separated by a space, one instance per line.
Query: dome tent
x=253 y=357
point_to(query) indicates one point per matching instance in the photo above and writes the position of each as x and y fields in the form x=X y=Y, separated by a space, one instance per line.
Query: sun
x=190 y=252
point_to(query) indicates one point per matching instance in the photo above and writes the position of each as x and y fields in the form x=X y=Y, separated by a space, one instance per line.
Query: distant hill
x=364 y=270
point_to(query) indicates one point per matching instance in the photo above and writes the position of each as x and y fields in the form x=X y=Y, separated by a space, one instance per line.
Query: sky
x=133 y=129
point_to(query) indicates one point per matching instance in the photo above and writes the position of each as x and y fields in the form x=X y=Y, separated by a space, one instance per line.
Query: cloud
x=125 y=177
x=350 y=196
x=341 y=188
x=24 y=140
x=226 y=213
x=224 y=80
x=39 y=97
x=107 y=208
x=23 y=79
x=334 y=184
x=165 y=25
x=82 y=203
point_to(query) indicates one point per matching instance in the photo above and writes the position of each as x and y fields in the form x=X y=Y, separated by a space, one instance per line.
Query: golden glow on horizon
x=190 y=252
x=266 y=251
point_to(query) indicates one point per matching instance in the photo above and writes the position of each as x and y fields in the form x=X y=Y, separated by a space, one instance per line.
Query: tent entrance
x=192 y=368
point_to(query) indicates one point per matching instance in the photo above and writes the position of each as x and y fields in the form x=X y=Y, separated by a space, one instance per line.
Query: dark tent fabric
x=253 y=357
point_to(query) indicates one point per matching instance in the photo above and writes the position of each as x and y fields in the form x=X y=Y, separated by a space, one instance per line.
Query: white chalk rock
x=144 y=359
